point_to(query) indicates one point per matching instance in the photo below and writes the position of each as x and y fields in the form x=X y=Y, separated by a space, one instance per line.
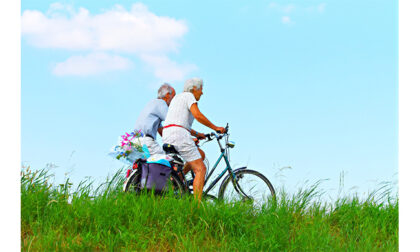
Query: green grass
x=104 y=218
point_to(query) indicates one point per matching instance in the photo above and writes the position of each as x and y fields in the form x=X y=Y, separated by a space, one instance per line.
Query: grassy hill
x=104 y=218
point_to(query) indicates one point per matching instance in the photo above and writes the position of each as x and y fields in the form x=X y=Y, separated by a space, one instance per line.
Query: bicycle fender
x=241 y=168
x=227 y=177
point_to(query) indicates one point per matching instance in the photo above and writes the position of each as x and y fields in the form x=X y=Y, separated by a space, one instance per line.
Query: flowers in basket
x=130 y=143
x=130 y=148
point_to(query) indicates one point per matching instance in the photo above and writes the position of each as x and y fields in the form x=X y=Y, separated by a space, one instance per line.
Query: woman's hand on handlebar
x=220 y=130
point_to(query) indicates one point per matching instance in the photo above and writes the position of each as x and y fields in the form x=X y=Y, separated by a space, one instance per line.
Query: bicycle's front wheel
x=248 y=185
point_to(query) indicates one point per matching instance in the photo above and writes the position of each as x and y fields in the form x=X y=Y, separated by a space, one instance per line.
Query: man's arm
x=203 y=120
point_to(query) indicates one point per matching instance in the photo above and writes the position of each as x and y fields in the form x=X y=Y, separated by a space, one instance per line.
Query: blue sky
x=308 y=84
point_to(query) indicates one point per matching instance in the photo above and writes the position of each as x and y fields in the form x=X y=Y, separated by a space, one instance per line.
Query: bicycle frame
x=223 y=155
x=228 y=168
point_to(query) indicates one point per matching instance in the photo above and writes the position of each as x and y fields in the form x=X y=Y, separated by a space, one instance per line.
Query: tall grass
x=104 y=218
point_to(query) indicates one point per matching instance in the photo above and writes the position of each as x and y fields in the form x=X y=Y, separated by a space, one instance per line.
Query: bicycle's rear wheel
x=174 y=185
x=178 y=188
x=250 y=186
x=133 y=182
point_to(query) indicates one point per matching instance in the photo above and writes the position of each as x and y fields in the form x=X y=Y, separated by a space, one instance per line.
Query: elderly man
x=177 y=130
x=151 y=117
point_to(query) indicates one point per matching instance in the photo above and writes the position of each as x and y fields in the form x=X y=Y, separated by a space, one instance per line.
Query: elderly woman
x=177 y=130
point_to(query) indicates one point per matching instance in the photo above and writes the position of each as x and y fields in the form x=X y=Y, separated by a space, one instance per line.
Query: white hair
x=191 y=83
x=164 y=89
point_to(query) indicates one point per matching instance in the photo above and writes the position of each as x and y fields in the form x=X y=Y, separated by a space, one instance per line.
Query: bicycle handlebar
x=226 y=129
x=208 y=136
x=218 y=134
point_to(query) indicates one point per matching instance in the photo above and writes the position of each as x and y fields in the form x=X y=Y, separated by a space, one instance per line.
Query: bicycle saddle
x=169 y=148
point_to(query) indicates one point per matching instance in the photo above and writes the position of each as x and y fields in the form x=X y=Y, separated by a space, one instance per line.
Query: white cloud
x=90 y=64
x=59 y=9
x=137 y=31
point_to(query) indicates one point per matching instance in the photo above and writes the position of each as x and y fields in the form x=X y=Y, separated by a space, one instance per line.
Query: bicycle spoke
x=249 y=186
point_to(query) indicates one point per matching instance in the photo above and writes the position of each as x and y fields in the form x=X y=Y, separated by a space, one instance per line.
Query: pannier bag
x=154 y=176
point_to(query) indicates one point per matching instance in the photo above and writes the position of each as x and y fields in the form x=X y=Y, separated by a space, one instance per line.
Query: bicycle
x=240 y=184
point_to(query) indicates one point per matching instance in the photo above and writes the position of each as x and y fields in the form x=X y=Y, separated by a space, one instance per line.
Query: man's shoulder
x=160 y=104
x=156 y=102
x=186 y=95
x=182 y=99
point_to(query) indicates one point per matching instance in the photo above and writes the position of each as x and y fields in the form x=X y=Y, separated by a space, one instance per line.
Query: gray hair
x=164 y=89
x=191 y=83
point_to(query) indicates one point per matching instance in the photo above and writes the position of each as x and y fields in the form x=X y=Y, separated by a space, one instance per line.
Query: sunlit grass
x=104 y=218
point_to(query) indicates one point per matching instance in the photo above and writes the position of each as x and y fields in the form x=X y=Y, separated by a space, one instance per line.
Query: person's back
x=180 y=117
x=150 y=119
x=179 y=113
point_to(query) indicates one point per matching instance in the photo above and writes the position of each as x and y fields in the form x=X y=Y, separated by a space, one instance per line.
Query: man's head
x=166 y=92
x=194 y=86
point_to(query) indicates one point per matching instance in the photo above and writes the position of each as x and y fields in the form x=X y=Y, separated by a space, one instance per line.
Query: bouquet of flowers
x=130 y=148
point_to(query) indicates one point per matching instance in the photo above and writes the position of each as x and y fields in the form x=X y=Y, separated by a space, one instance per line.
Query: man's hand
x=220 y=130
